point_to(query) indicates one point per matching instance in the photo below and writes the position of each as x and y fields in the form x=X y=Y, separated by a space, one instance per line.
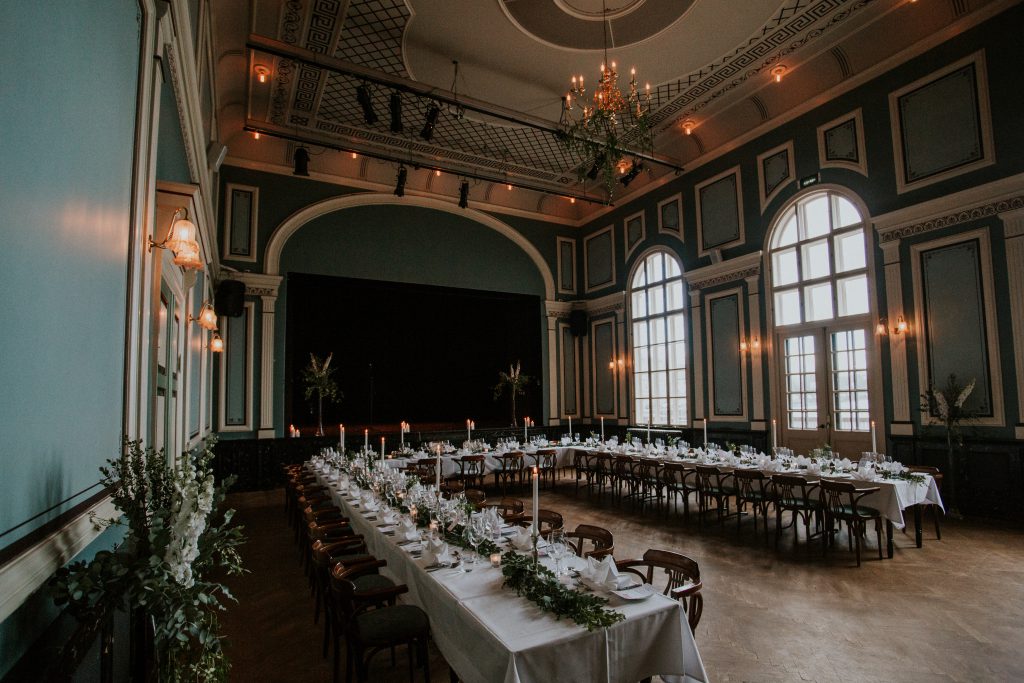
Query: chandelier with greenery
x=598 y=131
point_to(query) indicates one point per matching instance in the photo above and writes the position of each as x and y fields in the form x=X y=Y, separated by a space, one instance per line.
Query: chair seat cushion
x=391 y=624
x=369 y=582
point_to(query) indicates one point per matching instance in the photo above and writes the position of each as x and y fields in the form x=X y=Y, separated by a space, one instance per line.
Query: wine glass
x=474 y=533
x=556 y=549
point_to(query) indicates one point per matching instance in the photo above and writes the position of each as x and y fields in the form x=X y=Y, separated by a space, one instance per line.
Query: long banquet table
x=489 y=634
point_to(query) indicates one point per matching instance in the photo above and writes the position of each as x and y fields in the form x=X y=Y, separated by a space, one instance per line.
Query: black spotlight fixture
x=301 y=158
x=631 y=175
x=395 y=106
x=430 y=122
x=596 y=168
x=464 y=194
x=365 y=99
x=403 y=173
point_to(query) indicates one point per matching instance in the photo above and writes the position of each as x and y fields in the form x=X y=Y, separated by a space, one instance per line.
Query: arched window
x=821 y=302
x=659 y=341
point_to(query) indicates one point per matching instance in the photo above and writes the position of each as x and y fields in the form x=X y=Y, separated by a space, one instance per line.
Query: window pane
x=852 y=294
x=659 y=384
x=640 y=278
x=657 y=330
x=643 y=408
x=677 y=408
x=677 y=327
x=788 y=233
x=639 y=334
x=656 y=300
x=785 y=270
x=677 y=355
x=815 y=260
x=655 y=268
x=641 y=385
x=674 y=294
x=787 y=307
x=639 y=304
x=850 y=253
x=640 y=360
x=677 y=383
x=818 y=301
x=659 y=411
x=816 y=218
x=672 y=267
x=846 y=212
x=658 y=359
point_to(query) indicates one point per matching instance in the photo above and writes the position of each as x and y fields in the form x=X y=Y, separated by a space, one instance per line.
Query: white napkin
x=390 y=517
x=865 y=474
x=604 y=573
x=523 y=540
x=436 y=552
x=408 y=530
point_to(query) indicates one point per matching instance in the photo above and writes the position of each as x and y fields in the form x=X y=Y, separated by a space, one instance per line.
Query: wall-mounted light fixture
x=882 y=328
x=778 y=72
x=262 y=73
x=181 y=240
x=744 y=347
x=755 y=343
x=619 y=363
x=207 y=317
x=216 y=343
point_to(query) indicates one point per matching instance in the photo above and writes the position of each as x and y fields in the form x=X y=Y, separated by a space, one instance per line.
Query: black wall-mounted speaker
x=229 y=300
x=578 y=323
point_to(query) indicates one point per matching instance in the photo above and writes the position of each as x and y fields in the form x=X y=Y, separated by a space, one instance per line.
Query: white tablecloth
x=489 y=634
x=492 y=461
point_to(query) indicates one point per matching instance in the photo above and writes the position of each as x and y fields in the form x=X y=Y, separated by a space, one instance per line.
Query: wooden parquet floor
x=950 y=611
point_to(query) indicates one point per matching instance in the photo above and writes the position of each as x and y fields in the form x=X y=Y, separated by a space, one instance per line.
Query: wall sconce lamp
x=181 y=240
x=207 y=317
x=619 y=363
x=744 y=346
x=882 y=328
x=216 y=343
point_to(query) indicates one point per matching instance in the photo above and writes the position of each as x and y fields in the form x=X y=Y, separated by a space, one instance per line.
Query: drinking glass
x=556 y=549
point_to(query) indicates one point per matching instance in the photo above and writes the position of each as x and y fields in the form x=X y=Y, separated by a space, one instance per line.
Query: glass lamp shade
x=207 y=318
x=184 y=245
x=216 y=343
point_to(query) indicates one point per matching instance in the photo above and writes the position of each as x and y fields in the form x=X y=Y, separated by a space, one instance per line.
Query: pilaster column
x=699 y=392
x=266 y=429
x=552 y=309
x=754 y=330
x=897 y=342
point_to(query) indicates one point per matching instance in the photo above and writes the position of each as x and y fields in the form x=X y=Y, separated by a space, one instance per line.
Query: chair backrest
x=710 y=477
x=749 y=481
x=840 y=497
x=679 y=568
x=791 y=488
x=511 y=461
x=546 y=458
x=546 y=521
x=601 y=540
x=675 y=474
x=471 y=465
x=476 y=497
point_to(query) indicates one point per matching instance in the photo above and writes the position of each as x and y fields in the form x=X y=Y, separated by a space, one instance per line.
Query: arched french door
x=825 y=363
x=658 y=336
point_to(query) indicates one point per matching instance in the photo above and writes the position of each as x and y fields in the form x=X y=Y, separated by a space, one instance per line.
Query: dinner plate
x=637 y=593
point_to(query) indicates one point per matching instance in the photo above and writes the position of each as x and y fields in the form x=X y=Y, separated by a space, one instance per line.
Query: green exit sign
x=808 y=181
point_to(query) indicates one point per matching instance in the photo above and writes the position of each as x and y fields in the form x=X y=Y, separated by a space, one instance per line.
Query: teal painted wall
x=69 y=82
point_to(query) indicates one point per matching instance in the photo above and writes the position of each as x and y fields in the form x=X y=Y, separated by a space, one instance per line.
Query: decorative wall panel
x=724 y=331
x=599 y=259
x=720 y=211
x=841 y=143
x=670 y=216
x=954 y=320
x=635 y=232
x=569 y=372
x=774 y=169
x=566 y=265
x=603 y=338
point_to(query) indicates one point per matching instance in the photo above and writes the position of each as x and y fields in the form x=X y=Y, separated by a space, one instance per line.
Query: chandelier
x=597 y=130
